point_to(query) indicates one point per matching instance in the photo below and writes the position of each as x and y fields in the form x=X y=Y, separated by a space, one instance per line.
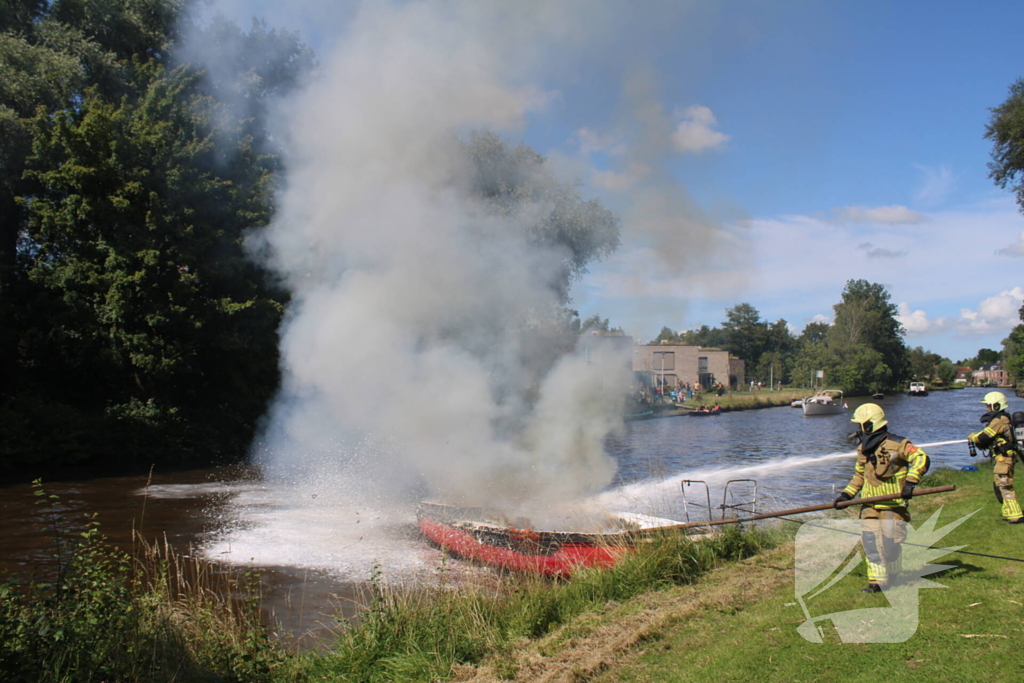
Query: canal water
x=316 y=548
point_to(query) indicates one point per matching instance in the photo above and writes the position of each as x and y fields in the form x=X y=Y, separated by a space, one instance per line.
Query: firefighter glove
x=973 y=438
x=908 y=490
x=843 y=497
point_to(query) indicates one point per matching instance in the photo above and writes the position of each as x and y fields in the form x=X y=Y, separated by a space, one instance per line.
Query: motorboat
x=825 y=402
x=917 y=389
x=515 y=545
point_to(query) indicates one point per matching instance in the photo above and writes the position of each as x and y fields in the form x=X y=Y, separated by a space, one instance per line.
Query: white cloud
x=918 y=324
x=591 y=141
x=878 y=252
x=1015 y=249
x=995 y=315
x=793 y=266
x=896 y=213
x=821 y=318
x=696 y=133
x=617 y=182
x=938 y=181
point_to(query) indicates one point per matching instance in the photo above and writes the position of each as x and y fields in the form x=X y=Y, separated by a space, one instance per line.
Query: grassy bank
x=102 y=615
x=747 y=400
x=740 y=623
x=722 y=609
x=439 y=634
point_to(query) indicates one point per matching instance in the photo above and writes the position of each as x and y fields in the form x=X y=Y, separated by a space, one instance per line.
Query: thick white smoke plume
x=415 y=347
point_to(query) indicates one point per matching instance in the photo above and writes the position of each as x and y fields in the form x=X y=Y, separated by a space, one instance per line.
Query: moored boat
x=825 y=402
x=917 y=389
x=473 y=534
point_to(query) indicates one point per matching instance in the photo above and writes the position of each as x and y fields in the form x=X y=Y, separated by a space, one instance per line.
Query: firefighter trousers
x=1002 y=485
x=883 y=530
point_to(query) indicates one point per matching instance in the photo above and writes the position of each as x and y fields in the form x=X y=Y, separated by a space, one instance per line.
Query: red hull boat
x=464 y=532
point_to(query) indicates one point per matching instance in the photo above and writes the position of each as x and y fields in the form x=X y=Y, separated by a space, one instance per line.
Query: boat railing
x=739 y=495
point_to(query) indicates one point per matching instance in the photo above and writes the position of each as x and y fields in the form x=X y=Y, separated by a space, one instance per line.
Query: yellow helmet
x=870 y=417
x=996 y=400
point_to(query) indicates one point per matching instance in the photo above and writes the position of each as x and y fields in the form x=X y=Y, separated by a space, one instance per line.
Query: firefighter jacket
x=883 y=470
x=997 y=436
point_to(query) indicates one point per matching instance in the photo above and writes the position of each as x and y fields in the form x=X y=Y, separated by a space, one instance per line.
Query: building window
x=702 y=364
x=664 y=360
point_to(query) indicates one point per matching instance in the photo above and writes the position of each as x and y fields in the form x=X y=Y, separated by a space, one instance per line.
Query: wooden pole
x=811 y=508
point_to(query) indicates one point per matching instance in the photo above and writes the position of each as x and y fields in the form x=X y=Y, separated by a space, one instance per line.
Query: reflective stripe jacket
x=894 y=462
x=998 y=437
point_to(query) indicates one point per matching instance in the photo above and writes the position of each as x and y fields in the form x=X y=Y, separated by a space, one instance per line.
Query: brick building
x=672 y=365
x=992 y=374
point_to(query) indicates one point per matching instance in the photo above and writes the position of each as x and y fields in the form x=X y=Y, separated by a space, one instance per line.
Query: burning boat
x=474 y=534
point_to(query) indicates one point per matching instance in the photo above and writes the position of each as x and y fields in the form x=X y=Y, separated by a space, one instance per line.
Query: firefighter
x=886 y=464
x=997 y=437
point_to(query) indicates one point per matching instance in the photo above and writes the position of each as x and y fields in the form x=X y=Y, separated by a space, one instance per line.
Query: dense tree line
x=862 y=351
x=133 y=329
x=1006 y=131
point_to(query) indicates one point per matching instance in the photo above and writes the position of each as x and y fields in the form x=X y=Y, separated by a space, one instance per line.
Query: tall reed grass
x=153 y=615
x=99 y=614
x=422 y=636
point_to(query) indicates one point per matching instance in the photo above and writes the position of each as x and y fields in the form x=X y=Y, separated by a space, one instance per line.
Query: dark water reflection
x=195 y=511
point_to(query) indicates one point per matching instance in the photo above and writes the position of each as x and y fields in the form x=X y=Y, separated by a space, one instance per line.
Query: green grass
x=427 y=635
x=721 y=609
x=103 y=615
x=745 y=400
x=752 y=635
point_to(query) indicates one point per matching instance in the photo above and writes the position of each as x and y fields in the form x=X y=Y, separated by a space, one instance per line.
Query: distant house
x=674 y=365
x=992 y=374
x=963 y=375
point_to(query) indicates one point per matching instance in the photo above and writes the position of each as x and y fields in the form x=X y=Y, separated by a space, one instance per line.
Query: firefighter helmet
x=996 y=400
x=870 y=417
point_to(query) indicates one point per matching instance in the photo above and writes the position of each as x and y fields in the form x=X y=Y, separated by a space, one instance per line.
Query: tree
x=1006 y=131
x=946 y=371
x=867 y=317
x=139 y=325
x=923 y=363
x=814 y=333
x=50 y=53
x=1013 y=351
x=987 y=356
x=666 y=335
x=704 y=336
x=863 y=351
x=745 y=333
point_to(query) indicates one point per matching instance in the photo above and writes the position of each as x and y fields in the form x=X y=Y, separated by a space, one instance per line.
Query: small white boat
x=825 y=402
x=918 y=389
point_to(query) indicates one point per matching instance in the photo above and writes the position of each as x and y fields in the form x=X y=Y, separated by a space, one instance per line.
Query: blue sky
x=767 y=152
